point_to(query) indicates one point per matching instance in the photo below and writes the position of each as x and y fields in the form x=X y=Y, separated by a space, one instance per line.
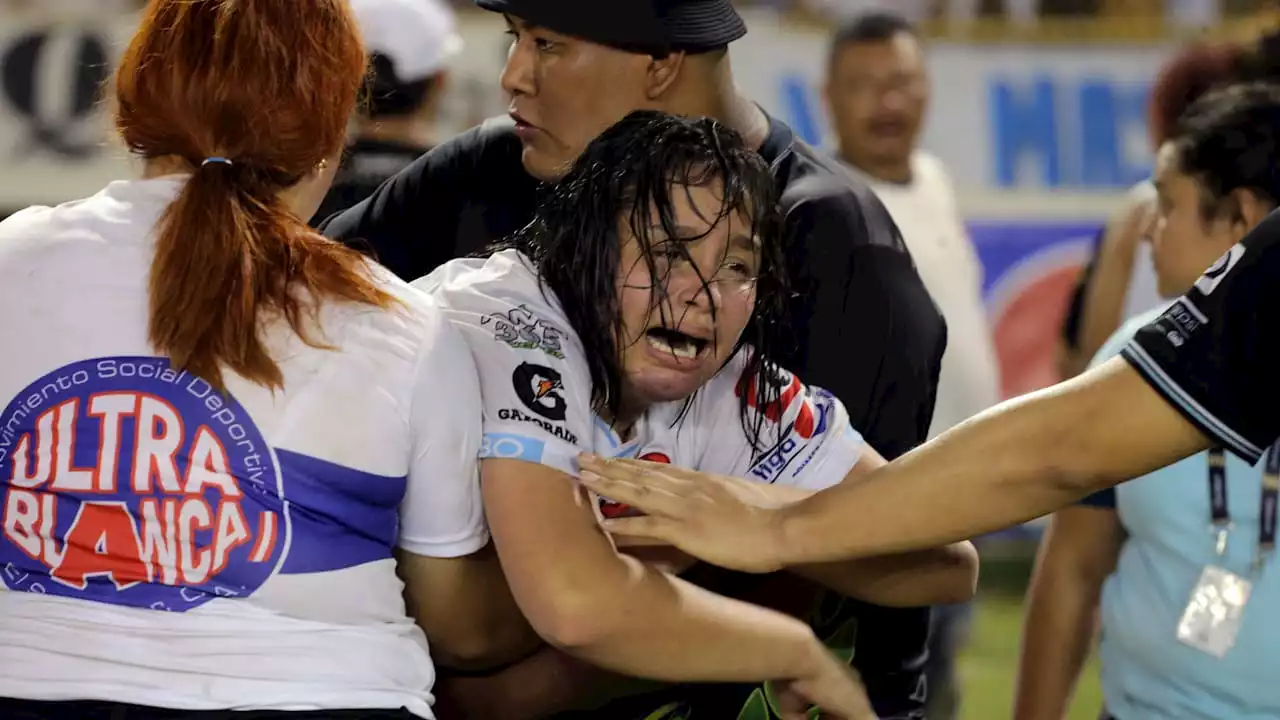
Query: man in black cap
x=866 y=328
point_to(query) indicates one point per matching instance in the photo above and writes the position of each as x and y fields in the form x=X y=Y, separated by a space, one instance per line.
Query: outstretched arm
x=1017 y=461
x=933 y=576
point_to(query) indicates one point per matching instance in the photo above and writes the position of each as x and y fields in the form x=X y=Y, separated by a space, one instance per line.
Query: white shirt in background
x=165 y=546
x=926 y=214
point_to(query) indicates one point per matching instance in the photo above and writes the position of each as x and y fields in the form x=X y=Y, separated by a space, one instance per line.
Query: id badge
x=1212 y=619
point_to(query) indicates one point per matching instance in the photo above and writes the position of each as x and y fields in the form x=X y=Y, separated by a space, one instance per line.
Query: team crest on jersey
x=792 y=449
x=129 y=482
x=810 y=418
x=1216 y=272
x=522 y=330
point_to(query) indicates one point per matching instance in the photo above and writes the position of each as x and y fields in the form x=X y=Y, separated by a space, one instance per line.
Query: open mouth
x=675 y=342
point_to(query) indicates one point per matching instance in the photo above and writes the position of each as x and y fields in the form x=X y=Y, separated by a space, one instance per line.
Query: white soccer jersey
x=168 y=546
x=536 y=391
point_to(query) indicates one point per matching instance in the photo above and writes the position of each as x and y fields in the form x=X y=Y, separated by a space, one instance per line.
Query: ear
x=1250 y=209
x=663 y=72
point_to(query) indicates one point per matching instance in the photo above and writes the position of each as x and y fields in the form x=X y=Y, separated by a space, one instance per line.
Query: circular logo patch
x=129 y=482
x=540 y=389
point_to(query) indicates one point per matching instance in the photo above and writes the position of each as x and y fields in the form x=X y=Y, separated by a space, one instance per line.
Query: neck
x=890 y=171
x=707 y=90
x=293 y=196
x=166 y=165
x=407 y=129
x=625 y=421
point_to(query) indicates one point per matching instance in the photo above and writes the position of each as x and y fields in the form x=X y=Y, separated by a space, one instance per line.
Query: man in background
x=877 y=91
x=410 y=43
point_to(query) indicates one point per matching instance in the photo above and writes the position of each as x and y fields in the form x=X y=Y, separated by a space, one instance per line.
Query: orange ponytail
x=269 y=85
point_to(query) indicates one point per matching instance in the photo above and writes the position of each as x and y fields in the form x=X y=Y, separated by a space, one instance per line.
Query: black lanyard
x=1220 y=515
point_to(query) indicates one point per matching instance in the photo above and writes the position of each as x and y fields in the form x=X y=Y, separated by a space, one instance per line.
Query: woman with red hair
x=228 y=444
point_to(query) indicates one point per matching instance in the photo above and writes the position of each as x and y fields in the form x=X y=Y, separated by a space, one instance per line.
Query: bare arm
x=583 y=597
x=1105 y=292
x=1077 y=554
x=464 y=607
x=947 y=574
x=943 y=575
x=1017 y=461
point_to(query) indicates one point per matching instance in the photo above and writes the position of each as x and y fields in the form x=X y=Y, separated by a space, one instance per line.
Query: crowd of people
x=628 y=404
x=1190 y=12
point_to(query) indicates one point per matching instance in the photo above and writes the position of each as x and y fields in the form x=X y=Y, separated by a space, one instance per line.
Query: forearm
x=927 y=577
x=664 y=628
x=1104 y=301
x=1056 y=636
x=1017 y=461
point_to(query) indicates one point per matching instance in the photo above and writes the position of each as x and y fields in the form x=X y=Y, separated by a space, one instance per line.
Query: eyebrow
x=742 y=241
x=750 y=243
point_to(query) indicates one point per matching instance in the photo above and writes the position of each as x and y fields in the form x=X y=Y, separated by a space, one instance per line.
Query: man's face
x=565 y=91
x=877 y=92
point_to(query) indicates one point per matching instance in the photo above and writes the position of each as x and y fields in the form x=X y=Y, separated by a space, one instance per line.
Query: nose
x=517 y=77
x=896 y=99
x=693 y=289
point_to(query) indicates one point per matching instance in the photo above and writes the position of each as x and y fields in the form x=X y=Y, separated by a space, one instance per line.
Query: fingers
x=626 y=468
x=647 y=526
x=651 y=495
x=835 y=702
x=791 y=703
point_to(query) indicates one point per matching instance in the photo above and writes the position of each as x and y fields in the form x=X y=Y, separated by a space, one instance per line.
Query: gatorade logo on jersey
x=611 y=509
x=129 y=482
x=540 y=389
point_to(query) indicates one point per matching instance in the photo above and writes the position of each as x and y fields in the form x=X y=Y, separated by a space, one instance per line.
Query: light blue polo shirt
x=1147 y=673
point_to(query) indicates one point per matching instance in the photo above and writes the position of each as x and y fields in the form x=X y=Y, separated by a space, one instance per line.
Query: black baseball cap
x=649 y=26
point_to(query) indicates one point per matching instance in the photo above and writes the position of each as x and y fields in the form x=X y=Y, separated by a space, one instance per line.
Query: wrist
x=815 y=657
x=783 y=526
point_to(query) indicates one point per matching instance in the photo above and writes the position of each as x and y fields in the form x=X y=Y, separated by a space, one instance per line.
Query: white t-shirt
x=536 y=390
x=165 y=546
x=925 y=212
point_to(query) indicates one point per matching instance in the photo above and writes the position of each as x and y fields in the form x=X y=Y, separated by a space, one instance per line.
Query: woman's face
x=671 y=347
x=1183 y=241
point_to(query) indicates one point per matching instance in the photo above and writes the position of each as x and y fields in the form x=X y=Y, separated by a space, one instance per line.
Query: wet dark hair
x=1229 y=140
x=633 y=170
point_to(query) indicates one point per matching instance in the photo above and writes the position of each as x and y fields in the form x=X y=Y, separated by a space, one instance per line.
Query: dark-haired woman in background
x=222 y=434
x=1118 y=281
x=636 y=316
x=410 y=45
x=1175 y=644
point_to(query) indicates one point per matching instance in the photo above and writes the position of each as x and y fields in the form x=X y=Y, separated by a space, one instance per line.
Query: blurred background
x=1038 y=111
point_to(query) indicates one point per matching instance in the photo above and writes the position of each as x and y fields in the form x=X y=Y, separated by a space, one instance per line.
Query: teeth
x=686 y=350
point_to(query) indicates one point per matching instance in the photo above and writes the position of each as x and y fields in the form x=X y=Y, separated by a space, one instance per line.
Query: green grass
x=989 y=665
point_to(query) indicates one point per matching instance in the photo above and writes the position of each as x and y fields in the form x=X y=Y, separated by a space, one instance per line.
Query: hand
x=831 y=685
x=707 y=516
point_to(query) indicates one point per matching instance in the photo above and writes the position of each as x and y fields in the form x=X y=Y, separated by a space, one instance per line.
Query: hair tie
x=222 y=160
